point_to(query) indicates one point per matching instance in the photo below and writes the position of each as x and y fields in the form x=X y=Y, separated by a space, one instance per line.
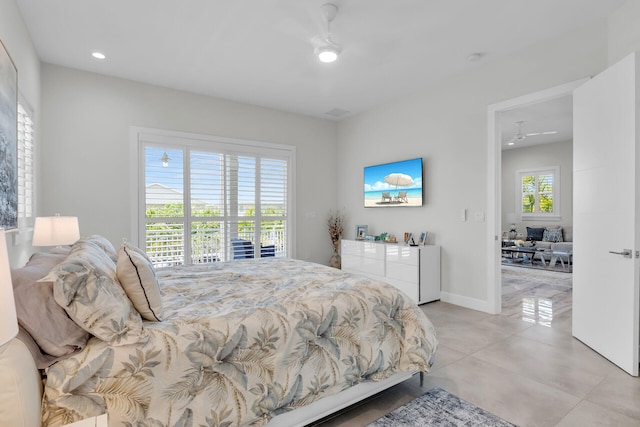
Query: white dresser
x=415 y=270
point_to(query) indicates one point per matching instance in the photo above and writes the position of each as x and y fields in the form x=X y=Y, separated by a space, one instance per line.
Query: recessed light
x=98 y=55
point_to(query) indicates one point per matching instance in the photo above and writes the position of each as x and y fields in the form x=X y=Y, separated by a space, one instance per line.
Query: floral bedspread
x=242 y=342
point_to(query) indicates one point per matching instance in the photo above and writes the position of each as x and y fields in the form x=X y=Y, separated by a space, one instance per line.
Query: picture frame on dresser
x=361 y=232
x=423 y=238
x=408 y=238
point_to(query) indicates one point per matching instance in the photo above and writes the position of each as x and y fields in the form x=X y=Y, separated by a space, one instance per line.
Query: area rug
x=439 y=408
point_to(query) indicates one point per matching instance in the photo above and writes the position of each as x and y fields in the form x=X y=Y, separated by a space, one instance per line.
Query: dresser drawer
x=351 y=248
x=403 y=254
x=411 y=289
x=370 y=266
x=403 y=272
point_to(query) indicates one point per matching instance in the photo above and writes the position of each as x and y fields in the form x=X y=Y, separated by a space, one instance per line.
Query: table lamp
x=21 y=386
x=55 y=231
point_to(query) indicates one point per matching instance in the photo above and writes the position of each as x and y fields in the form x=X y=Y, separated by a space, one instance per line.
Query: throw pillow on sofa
x=534 y=233
x=552 y=235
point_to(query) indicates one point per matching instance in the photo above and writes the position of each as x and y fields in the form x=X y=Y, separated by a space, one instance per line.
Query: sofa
x=556 y=238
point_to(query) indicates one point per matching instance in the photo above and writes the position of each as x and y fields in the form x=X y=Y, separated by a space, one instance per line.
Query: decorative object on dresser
x=361 y=232
x=415 y=270
x=336 y=228
x=423 y=238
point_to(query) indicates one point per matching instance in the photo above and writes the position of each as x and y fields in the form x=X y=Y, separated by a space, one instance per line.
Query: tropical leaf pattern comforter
x=242 y=342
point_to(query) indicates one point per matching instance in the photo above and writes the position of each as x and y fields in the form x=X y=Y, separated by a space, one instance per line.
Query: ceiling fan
x=325 y=48
x=520 y=136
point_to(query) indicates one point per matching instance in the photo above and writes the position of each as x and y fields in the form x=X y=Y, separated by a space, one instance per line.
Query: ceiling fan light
x=327 y=54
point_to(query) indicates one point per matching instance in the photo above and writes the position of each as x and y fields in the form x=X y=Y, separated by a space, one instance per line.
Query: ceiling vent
x=337 y=112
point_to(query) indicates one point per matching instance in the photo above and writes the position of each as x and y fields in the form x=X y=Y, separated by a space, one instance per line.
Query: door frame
x=494 y=183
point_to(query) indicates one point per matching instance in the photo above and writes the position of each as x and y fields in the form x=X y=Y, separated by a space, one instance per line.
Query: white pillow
x=138 y=278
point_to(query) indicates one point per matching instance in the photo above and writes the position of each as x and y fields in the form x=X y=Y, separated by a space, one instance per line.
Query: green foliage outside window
x=542 y=186
x=205 y=235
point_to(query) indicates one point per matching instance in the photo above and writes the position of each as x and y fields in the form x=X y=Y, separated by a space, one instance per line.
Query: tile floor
x=523 y=365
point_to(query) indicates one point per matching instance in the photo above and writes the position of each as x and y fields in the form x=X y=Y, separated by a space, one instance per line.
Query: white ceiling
x=260 y=51
x=553 y=115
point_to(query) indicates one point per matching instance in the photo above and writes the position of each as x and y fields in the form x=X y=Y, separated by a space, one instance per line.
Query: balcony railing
x=165 y=248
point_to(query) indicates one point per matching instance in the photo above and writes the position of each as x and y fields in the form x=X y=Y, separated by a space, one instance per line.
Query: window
x=26 y=175
x=537 y=193
x=224 y=194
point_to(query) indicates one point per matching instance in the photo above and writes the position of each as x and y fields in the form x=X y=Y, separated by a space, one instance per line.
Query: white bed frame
x=21 y=393
x=332 y=404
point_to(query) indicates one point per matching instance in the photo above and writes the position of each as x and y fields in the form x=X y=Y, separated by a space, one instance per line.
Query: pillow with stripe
x=138 y=279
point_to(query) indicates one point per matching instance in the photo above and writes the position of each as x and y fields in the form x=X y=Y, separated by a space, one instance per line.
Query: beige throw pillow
x=138 y=278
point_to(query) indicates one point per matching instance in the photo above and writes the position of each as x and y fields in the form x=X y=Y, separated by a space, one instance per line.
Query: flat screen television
x=393 y=184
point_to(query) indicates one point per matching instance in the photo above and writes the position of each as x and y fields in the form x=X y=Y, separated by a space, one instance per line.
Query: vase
x=334 y=261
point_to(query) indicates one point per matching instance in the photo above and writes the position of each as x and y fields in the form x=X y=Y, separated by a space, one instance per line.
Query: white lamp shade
x=55 y=230
x=8 y=318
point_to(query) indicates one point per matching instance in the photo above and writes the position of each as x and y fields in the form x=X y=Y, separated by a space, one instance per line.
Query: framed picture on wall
x=8 y=140
x=361 y=232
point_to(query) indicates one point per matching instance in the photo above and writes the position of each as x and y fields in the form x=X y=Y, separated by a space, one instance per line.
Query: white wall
x=85 y=132
x=624 y=31
x=538 y=156
x=16 y=38
x=447 y=125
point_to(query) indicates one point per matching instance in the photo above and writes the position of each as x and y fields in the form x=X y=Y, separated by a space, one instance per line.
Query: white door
x=605 y=188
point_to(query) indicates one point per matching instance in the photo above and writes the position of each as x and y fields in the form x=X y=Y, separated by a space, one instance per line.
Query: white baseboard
x=472 y=303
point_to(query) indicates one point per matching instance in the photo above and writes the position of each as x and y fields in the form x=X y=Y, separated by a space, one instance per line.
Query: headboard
x=21 y=391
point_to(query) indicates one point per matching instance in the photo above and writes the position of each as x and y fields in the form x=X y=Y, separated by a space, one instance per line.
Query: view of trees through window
x=215 y=199
x=537 y=193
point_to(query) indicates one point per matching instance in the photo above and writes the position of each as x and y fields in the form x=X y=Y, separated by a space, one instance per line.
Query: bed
x=254 y=342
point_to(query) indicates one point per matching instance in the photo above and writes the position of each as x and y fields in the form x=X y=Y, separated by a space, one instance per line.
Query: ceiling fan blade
x=551 y=132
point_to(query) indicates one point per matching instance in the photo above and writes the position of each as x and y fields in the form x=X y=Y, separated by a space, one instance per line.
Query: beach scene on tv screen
x=393 y=184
